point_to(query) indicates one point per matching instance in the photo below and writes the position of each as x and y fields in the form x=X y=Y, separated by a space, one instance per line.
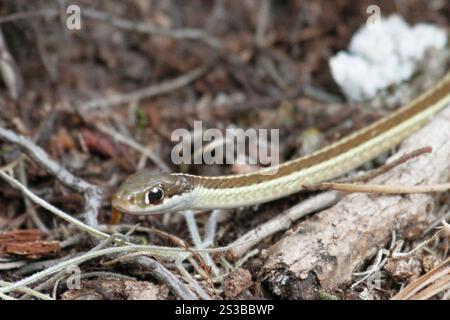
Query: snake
x=148 y=192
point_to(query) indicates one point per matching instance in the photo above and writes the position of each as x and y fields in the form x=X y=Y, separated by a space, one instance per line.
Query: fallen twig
x=142 y=27
x=384 y=189
x=370 y=174
x=125 y=24
x=262 y=23
x=92 y=194
x=9 y=70
x=151 y=91
x=27 y=15
x=30 y=209
x=74 y=261
x=388 y=166
x=27 y=291
x=51 y=208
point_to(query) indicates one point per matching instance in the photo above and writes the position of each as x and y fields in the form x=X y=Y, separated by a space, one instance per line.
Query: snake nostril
x=115 y=197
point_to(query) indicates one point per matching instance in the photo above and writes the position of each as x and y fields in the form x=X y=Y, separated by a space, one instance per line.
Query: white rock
x=383 y=55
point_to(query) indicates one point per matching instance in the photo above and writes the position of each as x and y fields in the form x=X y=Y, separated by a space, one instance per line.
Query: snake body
x=140 y=193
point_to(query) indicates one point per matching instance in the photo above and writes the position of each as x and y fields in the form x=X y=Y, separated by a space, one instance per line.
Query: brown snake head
x=147 y=192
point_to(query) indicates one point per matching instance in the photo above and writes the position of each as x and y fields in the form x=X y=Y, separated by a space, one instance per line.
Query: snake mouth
x=124 y=206
x=119 y=204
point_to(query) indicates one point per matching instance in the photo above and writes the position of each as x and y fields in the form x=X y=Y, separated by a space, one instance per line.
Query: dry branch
x=92 y=193
x=121 y=23
x=144 y=27
x=9 y=71
x=322 y=253
x=151 y=91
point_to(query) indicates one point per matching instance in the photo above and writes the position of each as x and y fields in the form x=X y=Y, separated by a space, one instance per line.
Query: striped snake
x=147 y=192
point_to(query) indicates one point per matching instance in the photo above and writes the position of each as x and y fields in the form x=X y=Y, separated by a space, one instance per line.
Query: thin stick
x=11 y=165
x=106 y=274
x=151 y=91
x=28 y=15
x=74 y=261
x=174 y=239
x=28 y=291
x=210 y=229
x=183 y=33
x=165 y=276
x=262 y=23
x=388 y=166
x=195 y=235
x=372 y=173
x=92 y=193
x=80 y=225
x=40 y=156
x=421 y=245
x=383 y=189
x=433 y=289
x=142 y=27
x=10 y=72
x=29 y=207
x=88 y=256
x=6 y=297
x=191 y=281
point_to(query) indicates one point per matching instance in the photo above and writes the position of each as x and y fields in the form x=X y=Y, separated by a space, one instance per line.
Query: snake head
x=147 y=192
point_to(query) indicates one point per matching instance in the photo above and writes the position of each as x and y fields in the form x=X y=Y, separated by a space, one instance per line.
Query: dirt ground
x=103 y=100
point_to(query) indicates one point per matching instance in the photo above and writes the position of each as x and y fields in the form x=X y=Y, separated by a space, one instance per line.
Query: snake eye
x=154 y=195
